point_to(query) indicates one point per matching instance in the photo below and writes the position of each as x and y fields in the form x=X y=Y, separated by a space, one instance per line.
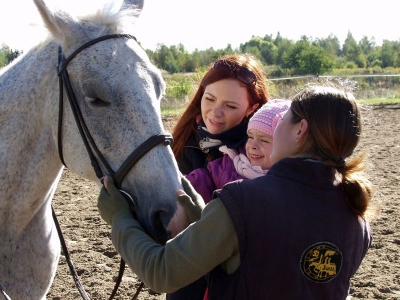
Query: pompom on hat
x=268 y=116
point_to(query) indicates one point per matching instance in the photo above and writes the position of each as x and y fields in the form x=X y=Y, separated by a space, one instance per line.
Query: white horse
x=118 y=92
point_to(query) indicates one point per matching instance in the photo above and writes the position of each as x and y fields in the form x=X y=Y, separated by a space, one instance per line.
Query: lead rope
x=75 y=276
x=67 y=257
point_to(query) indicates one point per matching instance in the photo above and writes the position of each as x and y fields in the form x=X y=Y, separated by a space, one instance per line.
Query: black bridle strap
x=67 y=60
x=60 y=117
x=90 y=144
x=83 y=130
x=64 y=81
x=62 y=65
x=138 y=153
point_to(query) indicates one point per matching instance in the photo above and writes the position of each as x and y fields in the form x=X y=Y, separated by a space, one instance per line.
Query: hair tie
x=341 y=161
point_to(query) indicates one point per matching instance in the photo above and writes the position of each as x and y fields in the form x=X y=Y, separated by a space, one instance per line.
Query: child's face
x=259 y=148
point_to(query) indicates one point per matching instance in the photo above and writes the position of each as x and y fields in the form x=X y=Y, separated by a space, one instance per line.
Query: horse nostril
x=160 y=234
x=162 y=216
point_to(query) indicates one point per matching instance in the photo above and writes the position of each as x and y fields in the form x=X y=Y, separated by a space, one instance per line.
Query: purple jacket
x=218 y=173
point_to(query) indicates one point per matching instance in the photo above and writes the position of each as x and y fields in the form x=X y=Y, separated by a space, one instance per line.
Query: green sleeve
x=198 y=249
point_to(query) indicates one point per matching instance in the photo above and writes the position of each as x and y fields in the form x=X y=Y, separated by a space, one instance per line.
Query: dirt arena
x=97 y=263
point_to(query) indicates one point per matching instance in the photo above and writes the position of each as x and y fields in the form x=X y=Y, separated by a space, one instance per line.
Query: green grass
x=379 y=101
x=168 y=112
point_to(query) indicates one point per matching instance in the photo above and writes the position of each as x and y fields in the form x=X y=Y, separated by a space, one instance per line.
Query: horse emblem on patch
x=321 y=262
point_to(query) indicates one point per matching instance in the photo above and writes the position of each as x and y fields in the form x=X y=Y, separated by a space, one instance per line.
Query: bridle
x=93 y=151
x=134 y=157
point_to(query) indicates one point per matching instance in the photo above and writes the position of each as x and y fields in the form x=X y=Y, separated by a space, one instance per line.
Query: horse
x=117 y=93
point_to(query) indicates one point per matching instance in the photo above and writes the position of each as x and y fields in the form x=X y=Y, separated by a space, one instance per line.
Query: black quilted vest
x=298 y=238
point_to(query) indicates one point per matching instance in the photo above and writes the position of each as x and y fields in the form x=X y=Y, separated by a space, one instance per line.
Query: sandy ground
x=97 y=263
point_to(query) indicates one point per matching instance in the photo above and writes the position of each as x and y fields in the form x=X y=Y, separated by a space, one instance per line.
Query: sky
x=203 y=24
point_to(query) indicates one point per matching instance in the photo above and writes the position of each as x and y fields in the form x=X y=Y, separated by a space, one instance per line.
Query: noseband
x=94 y=152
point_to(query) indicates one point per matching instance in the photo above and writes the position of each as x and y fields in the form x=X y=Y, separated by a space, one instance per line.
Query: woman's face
x=224 y=105
x=285 y=138
x=259 y=148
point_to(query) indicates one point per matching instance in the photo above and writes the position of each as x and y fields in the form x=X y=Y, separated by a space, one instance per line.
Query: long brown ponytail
x=334 y=128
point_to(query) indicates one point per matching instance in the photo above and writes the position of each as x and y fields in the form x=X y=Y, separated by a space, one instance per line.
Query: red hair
x=258 y=90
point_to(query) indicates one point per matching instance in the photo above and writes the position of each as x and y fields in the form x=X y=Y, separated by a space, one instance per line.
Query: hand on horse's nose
x=110 y=201
x=179 y=221
x=192 y=202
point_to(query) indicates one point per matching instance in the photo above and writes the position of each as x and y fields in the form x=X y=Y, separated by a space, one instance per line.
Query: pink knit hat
x=268 y=116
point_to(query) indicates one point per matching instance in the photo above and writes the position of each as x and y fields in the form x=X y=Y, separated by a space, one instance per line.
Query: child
x=251 y=163
x=299 y=232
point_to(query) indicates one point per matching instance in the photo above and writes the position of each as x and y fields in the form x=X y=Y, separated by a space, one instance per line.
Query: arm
x=191 y=254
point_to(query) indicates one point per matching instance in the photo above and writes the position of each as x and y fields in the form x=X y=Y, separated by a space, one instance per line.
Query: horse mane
x=112 y=19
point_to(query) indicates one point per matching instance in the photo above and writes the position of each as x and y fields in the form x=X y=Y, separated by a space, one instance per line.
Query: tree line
x=285 y=57
x=282 y=56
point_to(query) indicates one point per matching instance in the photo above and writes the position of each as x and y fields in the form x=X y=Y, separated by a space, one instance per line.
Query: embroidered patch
x=321 y=262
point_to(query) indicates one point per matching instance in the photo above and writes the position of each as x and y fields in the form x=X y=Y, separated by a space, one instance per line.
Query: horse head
x=118 y=93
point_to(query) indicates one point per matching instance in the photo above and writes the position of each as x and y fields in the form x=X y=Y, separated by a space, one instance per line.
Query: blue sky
x=216 y=23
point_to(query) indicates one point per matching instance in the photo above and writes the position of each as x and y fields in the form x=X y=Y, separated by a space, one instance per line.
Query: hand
x=192 y=202
x=110 y=201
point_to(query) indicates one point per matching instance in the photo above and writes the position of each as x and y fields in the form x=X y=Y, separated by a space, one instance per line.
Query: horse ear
x=137 y=3
x=60 y=24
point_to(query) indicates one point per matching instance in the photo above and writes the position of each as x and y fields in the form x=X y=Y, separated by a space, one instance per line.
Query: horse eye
x=98 y=102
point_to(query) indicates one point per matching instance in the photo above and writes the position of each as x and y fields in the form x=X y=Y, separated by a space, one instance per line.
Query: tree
x=330 y=44
x=282 y=48
x=268 y=38
x=315 y=60
x=353 y=52
x=367 y=45
x=7 y=55
x=291 y=57
x=252 y=50
x=305 y=58
x=171 y=64
x=180 y=57
x=268 y=52
x=3 y=59
x=278 y=39
x=265 y=50
x=374 y=58
x=390 y=52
